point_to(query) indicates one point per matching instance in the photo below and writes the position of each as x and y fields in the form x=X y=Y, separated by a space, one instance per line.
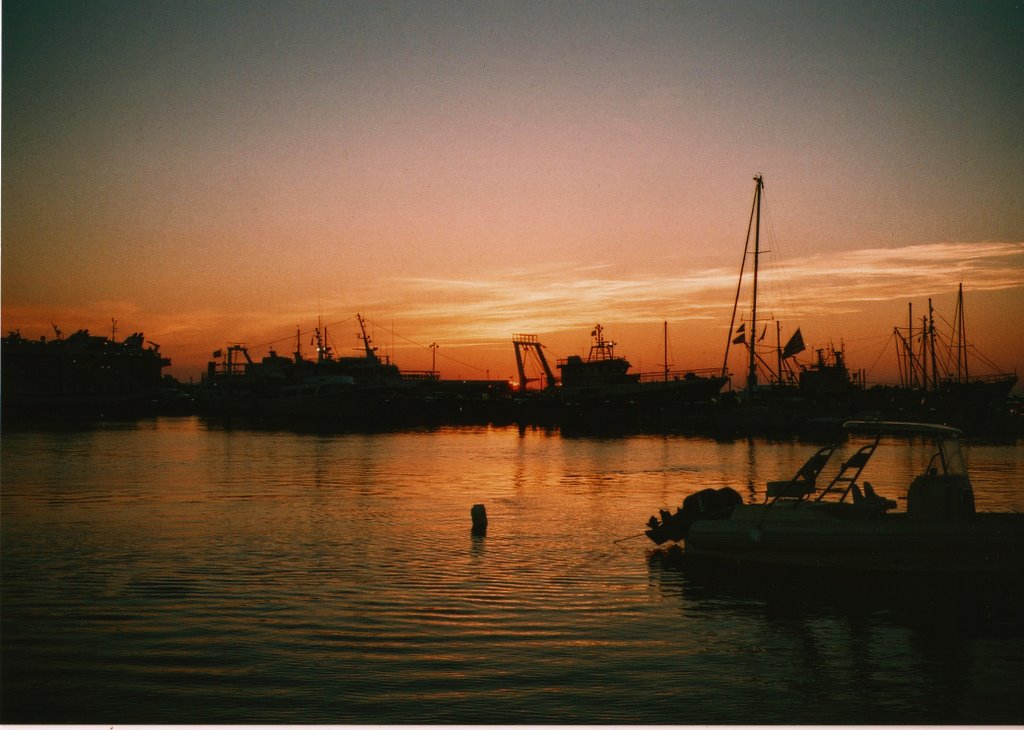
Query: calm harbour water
x=168 y=571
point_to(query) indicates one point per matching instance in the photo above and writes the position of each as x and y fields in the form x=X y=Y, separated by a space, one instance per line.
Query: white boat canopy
x=901 y=428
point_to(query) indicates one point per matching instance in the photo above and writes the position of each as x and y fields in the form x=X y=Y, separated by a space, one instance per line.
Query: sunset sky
x=213 y=172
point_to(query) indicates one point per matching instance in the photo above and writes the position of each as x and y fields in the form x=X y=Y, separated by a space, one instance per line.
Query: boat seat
x=804 y=482
x=869 y=500
x=872 y=497
x=814 y=465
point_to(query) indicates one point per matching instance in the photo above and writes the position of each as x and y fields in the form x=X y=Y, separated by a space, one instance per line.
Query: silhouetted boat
x=295 y=388
x=846 y=525
x=780 y=394
x=938 y=380
x=828 y=375
x=602 y=383
x=80 y=376
x=346 y=392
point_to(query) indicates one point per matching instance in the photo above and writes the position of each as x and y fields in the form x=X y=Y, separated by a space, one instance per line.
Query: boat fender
x=756 y=535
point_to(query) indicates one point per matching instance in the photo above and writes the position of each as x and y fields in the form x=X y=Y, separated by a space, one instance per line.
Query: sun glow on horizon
x=476 y=317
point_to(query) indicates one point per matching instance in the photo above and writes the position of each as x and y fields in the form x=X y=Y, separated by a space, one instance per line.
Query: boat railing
x=674 y=375
x=991 y=378
x=420 y=375
x=940 y=460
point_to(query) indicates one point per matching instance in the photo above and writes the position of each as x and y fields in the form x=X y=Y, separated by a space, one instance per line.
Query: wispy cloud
x=482 y=312
x=565 y=296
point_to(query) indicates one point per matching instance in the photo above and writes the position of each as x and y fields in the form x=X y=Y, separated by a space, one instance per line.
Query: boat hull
x=804 y=535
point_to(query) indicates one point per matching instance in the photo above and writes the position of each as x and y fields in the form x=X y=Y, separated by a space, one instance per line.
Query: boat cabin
x=601 y=368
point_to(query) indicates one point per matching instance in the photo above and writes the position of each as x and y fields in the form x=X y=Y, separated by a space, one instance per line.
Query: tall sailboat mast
x=665 y=346
x=911 y=362
x=742 y=334
x=752 y=335
x=931 y=342
x=962 y=376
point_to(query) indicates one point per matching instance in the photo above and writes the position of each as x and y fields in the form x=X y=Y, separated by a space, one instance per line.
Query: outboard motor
x=711 y=503
x=707 y=504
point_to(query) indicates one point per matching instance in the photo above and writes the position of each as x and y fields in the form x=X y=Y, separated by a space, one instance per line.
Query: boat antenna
x=368 y=348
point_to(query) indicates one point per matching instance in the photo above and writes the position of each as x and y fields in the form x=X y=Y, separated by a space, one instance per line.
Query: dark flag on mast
x=740 y=337
x=795 y=345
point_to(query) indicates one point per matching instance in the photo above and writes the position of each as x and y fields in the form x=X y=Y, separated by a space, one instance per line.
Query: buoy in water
x=479 y=514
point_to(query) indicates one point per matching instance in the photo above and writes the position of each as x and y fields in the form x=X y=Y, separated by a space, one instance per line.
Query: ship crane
x=530 y=343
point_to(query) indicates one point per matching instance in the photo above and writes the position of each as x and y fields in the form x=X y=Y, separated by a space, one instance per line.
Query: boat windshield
x=953 y=457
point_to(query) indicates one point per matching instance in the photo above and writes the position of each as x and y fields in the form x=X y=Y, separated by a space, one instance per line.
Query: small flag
x=739 y=340
x=763 y=333
x=217 y=353
x=795 y=344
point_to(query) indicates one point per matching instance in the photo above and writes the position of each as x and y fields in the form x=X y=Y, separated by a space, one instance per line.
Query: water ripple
x=176 y=574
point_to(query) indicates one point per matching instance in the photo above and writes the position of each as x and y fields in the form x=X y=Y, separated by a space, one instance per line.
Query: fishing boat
x=276 y=387
x=848 y=525
x=339 y=391
x=604 y=378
